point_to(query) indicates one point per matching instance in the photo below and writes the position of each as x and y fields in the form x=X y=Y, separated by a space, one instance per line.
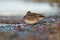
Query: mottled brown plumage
x=33 y=18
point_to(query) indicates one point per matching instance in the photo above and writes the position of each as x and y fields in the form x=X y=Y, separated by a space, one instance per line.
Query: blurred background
x=12 y=10
x=20 y=7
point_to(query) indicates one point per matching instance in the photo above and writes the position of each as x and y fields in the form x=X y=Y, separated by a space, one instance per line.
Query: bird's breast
x=31 y=22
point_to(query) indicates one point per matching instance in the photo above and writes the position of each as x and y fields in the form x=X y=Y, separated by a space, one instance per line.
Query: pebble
x=25 y=29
